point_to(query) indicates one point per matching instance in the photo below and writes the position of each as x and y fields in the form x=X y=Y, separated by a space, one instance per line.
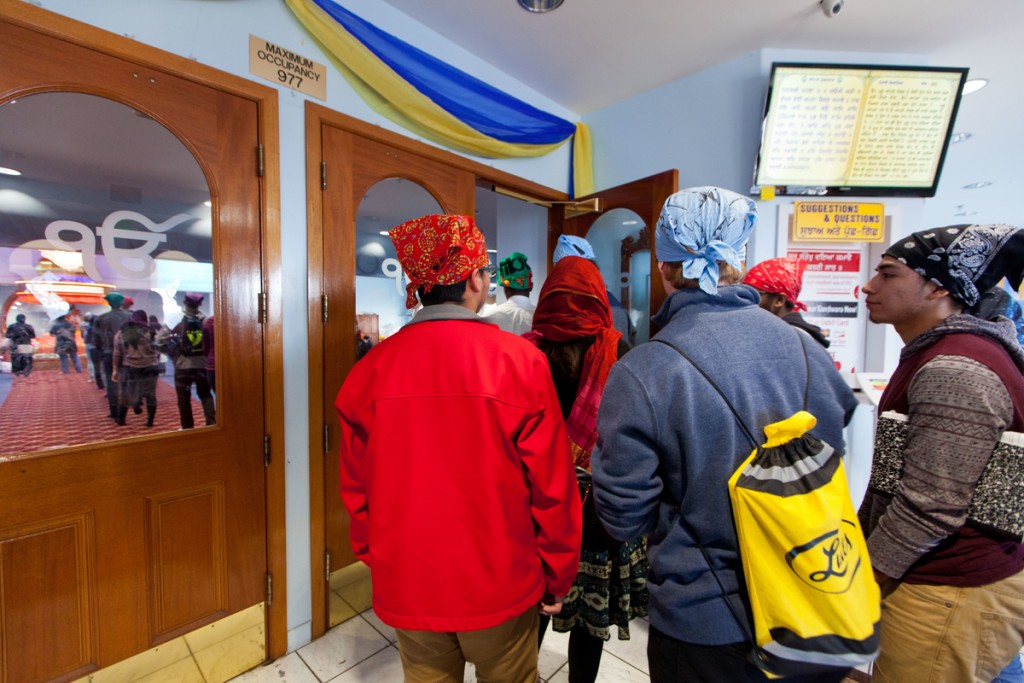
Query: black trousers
x=672 y=661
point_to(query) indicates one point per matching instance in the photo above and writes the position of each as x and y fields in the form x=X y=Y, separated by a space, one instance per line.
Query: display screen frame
x=853 y=189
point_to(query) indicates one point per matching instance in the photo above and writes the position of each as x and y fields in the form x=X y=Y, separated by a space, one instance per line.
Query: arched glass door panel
x=622 y=249
x=380 y=282
x=105 y=218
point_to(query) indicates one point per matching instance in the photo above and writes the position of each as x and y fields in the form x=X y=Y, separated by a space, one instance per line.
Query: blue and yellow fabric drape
x=435 y=100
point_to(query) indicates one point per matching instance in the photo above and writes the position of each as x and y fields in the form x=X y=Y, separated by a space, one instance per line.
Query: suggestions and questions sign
x=838 y=222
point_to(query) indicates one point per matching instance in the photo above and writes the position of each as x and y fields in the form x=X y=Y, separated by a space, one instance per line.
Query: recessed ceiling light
x=975 y=186
x=630 y=222
x=492 y=251
x=974 y=85
x=960 y=137
x=206 y=203
x=385 y=233
x=8 y=171
x=540 y=6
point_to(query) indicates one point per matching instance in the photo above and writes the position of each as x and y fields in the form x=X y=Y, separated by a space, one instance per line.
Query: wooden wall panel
x=187 y=558
x=47 y=601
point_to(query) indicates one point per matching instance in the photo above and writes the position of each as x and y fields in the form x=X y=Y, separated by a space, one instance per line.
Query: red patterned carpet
x=49 y=409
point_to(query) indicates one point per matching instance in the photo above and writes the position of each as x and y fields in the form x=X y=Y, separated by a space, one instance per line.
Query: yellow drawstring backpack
x=814 y=602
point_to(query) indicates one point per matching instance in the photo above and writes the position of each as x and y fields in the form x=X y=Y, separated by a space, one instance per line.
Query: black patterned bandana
x=965 y=260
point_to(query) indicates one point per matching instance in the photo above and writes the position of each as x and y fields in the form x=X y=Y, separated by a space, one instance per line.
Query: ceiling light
x=206 y=203
x=540 y=5
x=975 y=186
x=385 y=233
x=960 y=137
x=966 y=213
x=8 y=171
x=974 y=85
x=492 y=251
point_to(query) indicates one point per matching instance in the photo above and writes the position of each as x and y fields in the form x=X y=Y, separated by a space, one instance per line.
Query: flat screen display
x=840 y=129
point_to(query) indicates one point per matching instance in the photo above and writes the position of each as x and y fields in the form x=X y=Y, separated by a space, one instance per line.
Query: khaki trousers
x=506 y=653
x=939 y=634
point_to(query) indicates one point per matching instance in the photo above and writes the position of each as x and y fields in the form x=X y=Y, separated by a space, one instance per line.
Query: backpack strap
x=756 y=652
x=739 y=420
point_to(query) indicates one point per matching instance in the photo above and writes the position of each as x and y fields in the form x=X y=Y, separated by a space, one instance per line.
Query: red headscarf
x=574 y=303
x=438 y=250
x=783 y=276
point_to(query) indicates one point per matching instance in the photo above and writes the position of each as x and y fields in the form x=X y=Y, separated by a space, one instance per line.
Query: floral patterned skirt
x=610 y=588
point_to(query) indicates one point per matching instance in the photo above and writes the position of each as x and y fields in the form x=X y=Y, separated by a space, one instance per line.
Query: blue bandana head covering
x=701 y=226
x=570 y=245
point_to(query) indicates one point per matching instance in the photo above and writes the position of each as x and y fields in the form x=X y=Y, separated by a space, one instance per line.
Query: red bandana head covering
x=438 y=250
x=783 y=276
x=573 y=303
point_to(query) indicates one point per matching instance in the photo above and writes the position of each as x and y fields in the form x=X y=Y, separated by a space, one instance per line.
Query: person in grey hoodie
x=668 y=444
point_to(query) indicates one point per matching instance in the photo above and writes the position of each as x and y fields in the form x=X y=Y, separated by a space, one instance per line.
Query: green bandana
x=514 y=272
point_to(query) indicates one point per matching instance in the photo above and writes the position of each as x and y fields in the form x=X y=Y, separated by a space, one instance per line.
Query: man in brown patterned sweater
x=952 y=593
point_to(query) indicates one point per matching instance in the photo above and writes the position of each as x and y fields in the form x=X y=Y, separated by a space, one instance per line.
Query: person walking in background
x=65 y=346
x=136 y=366
x=516 y=314
x=779 y=281
x=184 y=344
x=667 y=444
x=952 y=591
x=93 y=353
x=21 y=335
x=105 y=327
x=452 y=427
x=210 y=351
x=573 y=327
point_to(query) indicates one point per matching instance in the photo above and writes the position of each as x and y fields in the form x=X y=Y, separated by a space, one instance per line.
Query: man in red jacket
x=456 y=471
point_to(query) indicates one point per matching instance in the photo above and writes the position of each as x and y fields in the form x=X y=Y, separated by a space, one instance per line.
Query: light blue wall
x=708 y=126
x=217 y=34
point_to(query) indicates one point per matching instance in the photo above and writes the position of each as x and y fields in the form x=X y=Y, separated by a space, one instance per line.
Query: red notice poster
x=830 y=290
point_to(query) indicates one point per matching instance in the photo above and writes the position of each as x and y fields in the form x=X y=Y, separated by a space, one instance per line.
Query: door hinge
x=327 y=438
x=259 y=161
x=327 y=567
x=266 y=450
x=261 y=308
x=270 y=589
x=323 y=175
x=323 y=306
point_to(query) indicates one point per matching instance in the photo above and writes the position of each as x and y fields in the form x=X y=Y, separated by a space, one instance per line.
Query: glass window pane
x=620 y=241
x=105 y=218
x=380 y=282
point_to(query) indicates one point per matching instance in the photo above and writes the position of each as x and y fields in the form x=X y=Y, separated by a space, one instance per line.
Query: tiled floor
x=363 y=649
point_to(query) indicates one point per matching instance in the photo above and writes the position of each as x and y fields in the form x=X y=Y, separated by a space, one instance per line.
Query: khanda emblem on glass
x=128 y=262
x=828 y=562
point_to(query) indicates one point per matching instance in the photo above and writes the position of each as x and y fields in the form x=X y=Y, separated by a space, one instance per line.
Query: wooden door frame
x=265 y=98
x=644 y=197
x=318 y=116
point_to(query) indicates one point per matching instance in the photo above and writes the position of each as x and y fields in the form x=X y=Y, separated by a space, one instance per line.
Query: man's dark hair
x=441 y=294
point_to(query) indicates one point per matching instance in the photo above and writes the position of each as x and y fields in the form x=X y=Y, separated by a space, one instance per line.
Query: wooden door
x=644 y=197
x=353 y=165
x=113 y=546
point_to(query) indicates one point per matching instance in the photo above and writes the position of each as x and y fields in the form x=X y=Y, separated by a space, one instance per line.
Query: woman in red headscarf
x=572 y=325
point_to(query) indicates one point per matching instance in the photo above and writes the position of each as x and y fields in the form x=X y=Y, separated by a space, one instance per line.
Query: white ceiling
x=589 y=54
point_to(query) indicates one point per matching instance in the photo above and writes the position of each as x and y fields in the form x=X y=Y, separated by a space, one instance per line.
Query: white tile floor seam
x=363 y=650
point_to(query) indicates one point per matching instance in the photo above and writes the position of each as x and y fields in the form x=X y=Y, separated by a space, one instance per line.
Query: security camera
x=832 y=7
